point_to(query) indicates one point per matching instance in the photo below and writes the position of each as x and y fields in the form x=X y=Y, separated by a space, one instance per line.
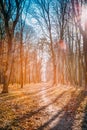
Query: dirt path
x=43 y=107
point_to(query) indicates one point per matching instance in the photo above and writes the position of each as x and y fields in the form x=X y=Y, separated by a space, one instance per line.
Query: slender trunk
x=21 y=63
x=29 y=74
x=53 y=58
x=25 y=70
x=85 y=57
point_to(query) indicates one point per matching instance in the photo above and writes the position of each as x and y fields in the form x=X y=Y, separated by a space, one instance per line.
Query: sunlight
x=43 y=64
x=84 y=15
x=62 y=44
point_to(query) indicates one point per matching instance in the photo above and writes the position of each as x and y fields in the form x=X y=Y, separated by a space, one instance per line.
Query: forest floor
x=44 y=107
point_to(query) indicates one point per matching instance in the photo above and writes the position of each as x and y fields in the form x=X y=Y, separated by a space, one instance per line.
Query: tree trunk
x=54 y=68
x=85 y=57
x=5 y=85
x=8 y=66
x=21 y=61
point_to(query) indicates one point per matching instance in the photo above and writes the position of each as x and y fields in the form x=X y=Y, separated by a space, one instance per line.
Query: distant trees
x=63 y=20
x=78 y=10
x=44 y=19
x=61 y=45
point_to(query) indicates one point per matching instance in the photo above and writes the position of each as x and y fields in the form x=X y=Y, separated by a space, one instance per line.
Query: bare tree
x=77 y=6
x=45 y=15
x=10 y=19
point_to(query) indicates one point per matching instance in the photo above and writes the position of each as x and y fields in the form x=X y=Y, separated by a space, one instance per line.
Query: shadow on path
x=67 y=120
x=30 y=114
x=84 y=122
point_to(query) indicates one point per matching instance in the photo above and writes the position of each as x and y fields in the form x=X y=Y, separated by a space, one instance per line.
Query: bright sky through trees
x=83 y=15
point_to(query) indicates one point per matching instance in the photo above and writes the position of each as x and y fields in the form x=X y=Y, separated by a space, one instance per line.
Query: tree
x=77 y=8
x=46 y=26
x=10 y=19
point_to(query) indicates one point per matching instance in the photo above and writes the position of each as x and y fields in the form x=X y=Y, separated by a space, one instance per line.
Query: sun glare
x=84 y=15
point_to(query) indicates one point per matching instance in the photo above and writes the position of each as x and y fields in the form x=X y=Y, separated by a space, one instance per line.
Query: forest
x=43 y=64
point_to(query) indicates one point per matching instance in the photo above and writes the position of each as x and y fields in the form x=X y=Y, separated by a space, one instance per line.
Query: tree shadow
x=84 y=122
x=38 y=91
x=10 y=96
x=32 y=113
x=67 y=119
